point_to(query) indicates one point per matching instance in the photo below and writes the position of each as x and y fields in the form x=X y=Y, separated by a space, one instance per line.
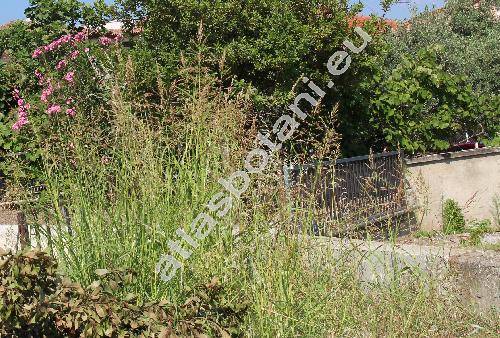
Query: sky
x=14 y=9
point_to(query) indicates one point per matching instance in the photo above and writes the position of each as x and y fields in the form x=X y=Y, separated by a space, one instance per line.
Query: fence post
x=24 y=236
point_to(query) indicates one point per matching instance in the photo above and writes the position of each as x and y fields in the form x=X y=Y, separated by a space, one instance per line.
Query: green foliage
x=477 y=230
x=20 y=152
x=67 y=14
x=37 y=302
x=424 y=234
x=495 y=210
x=5 y=105
x=421 y=107
x=267 y=44
x=468 y=35
x=453 y=218
x=17 y=43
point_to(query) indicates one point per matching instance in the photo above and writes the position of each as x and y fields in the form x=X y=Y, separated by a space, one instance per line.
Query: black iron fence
x=349 y=192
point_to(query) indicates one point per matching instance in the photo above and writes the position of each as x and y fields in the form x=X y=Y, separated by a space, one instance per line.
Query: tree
x=67 y=14
x=468 y=33
x=422 y=107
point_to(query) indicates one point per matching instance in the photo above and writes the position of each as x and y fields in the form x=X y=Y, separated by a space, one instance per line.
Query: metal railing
x=349 y=192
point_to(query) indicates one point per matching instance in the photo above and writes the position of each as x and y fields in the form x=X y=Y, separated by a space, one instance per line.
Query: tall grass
x=128 y=192
x=128 y=188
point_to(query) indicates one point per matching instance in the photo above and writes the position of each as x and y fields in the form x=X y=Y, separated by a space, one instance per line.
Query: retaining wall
x=471 y=177
x=472 y=275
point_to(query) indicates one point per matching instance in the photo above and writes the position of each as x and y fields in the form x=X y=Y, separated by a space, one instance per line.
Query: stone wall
x=472 y=178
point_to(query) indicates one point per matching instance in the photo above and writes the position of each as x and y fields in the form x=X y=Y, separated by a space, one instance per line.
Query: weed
x=424 y=234
x=477 y=230
x=453 y=218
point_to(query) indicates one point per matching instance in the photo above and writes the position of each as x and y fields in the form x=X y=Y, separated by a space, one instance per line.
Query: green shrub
x=453 y=218
x=50 y=19
x=477 y=230
x=421 y=107
x=268 y=43
x=67 y=14
x=468 y=35
x=265 y=45
x=37 y=302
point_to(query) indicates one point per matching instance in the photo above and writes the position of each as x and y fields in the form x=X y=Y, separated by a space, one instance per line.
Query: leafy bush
x=453 y=218
x=478 y=229
x=421 y=107
x=38 y=302
x=268 y=43
x=67 y=14
x=468 y=34
x=264 y=45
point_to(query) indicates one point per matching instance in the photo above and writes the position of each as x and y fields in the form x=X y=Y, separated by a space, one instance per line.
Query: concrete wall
x=473 y=275
x=472 y=178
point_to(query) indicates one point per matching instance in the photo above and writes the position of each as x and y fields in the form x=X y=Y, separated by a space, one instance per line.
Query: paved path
x=8 y=236
x=8 y=229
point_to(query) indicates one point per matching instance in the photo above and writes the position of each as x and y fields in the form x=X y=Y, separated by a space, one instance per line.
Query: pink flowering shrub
x=64 y=63
x=70 y=77
x=61 y=64
x=65 y=102
x=22 y=111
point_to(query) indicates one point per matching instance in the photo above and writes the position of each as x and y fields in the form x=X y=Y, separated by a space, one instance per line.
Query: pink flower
x=80 y=36
x=39 y=76
x=37 y=53
x=46 y=93
x=71 y=112
x=61 y=64
x=54 y=109
x=19 y=123
x=87 y=50
x=53 y=45
x=69 y=101
x=15 y=94
x=74 y=54
x=22 y=112
x=56 y=44
x=44 y=97
x=105 y=41
x=66 y=38
x=22 y=120
x=70 y=77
